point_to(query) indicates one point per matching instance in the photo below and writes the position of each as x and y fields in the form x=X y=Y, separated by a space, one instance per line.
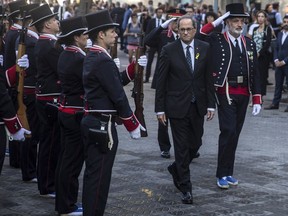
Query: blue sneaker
x=231 y=180
x=223 y=183
x=78 y=211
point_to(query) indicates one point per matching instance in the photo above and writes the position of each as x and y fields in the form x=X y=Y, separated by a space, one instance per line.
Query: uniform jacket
x=31 y=72
x=10 y=40
x=281 y=50
x=103 y=84
x=158 y=38
x=47 y=56
x=176 y=82
x=70 y=68
x=221 y=47
x=7 y=110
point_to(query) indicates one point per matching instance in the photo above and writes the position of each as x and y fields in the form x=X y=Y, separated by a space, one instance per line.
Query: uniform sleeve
x=7 y=110
x=110 y=81
x=153 y=38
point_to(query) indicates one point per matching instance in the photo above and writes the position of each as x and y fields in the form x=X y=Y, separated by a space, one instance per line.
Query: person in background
x=236 y=74
x=132 y=33
x=185 y=94
x=262 y=35
x=153 y=23
x=281 y=62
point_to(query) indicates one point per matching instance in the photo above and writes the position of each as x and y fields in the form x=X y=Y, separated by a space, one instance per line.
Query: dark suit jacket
x=175 y=81
x=281 y=50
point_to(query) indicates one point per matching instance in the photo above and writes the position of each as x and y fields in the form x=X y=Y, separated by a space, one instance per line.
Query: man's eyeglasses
x=183 y=30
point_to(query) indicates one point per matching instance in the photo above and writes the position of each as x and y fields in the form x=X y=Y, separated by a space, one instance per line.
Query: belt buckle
x=240 y=79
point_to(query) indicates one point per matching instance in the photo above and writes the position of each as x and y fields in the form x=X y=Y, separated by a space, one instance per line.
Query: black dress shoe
x=286 y=110
x=165 y=154
x=187 y=198
x=173 y=171
x=271 y=107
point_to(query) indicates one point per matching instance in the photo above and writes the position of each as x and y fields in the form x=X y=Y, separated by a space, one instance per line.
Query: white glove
x=23 y=62
x=136 y=134
x=117 y=62
x=256 y=109
x=1 y=60
x=20 y=135
x=167 y=22
x=220 y=19
x=88 y=44
x=142 y=61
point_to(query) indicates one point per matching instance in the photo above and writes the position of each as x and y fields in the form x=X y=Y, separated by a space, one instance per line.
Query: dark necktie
x=188 y=58
x=189 y=61
x=177 y=37
x=158 y=23
x=237 y=46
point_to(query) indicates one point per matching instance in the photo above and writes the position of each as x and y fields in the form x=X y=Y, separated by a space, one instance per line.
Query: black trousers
x=151 y=53
x=187 y=135
x=28 y=149
x=98 y=169
x=70 y=163
x=49 y=147
x=3 y=138
x=163 y=137
x=231 y=120
x=263 y=64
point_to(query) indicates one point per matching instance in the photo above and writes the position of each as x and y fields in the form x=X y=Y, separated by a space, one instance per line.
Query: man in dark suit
x=166 y=33
x=152 y=24
x=184 y=94
x=235 y=72
x=281 y=63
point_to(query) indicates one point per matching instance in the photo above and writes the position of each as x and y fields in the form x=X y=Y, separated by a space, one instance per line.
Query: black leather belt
x=238 y=80
x=102 y=115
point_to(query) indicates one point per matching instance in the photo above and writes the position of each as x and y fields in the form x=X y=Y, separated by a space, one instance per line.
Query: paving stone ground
x=142 y=186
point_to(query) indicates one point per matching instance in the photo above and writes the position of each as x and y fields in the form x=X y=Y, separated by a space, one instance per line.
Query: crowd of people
x=73 y=89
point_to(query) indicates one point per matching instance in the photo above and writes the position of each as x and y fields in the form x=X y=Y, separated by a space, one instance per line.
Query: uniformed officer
x=71 y=157
x=48 y=90
x=9 y=61
x=104 y=99
x=28 y=151
x=9 y=118
x=236 y=74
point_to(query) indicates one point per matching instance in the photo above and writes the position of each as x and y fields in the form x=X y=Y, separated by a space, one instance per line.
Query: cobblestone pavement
x=142 y=186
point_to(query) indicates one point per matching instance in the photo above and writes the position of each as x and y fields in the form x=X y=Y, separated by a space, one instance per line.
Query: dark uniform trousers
x=49 y=148
x=187 y=133
x=28 y=149
x=98 y=170
x=231 y=120
x=151 y=53
x=70 y=163
x=163 y=137
x=3 y=137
